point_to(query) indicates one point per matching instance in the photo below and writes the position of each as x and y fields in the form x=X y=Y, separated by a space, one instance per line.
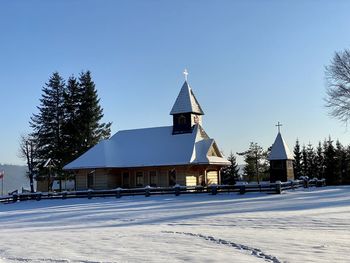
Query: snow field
x=309 y=225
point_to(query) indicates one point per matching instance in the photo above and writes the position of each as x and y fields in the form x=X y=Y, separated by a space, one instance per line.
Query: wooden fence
x=276 y=188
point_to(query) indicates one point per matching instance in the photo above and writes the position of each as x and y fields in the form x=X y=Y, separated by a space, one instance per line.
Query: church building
x=161 y=156
x=281 y=160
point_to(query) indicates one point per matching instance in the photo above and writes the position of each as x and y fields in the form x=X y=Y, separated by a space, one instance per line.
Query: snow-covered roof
x=280 y=150
x=149 y=147
x=186 y=102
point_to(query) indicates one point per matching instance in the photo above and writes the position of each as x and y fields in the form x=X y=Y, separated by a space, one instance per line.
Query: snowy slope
x=303 y=226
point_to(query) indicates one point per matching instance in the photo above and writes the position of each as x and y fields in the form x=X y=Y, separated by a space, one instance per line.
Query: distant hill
x=15 y=178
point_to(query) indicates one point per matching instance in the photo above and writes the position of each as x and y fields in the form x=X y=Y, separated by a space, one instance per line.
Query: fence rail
x=276 y=188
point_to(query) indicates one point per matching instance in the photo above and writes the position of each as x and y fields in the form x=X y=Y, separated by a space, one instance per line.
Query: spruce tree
x=329 y=162
x=90 y=113
x=72 y=101
x=346 y=178
x=48 y=123
x=319 y=161
x=311 y=162
x=304 y=163
x=341 y=162
x=297 y=160
x=256 y=167
x=229 y=174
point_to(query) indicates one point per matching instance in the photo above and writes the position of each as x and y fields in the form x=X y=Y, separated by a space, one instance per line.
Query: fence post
x=214 y=189
x=15 y=198
x=147 y=191
x=278 y=187
x=118 y=193
x=242 y=189
x=177 y=189
x=38 y=197
x=89 y=194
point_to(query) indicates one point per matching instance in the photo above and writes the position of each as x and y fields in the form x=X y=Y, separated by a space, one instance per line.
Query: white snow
x=309 y=225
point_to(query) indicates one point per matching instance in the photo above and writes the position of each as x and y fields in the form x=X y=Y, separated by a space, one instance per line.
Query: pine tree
x=340 y=163
x=297 y=160
x=329 y=162
x=229 y=175
x=48 y=123
x=319 y=161
x=304 y=163
x=90 y=113
x=256 y=167
x=311 y=162
x=346 y=178
x=72 y=101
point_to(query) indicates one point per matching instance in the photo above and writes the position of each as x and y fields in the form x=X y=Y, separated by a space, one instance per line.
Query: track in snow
x=254 y=251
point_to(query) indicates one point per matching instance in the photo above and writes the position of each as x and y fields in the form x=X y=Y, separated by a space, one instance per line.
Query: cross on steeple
x=279 y=126
x=185 y=74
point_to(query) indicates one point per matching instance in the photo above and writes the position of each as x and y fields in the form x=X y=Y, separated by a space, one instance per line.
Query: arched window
x=182 y=120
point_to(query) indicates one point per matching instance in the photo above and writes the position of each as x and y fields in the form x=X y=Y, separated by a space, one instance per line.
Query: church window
x=182 y=120
x=139 y=178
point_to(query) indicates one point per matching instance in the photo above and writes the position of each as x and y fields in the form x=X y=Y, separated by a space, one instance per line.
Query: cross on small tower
x=279 y=126
x=185 y=74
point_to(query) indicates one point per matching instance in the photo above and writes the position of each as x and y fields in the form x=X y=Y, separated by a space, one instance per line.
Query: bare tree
x=338 y=86
x=27 y=151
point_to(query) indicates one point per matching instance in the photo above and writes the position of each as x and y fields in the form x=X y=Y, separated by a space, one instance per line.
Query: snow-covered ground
x=311 y=225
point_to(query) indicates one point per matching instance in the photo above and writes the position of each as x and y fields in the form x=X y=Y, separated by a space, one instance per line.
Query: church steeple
x=186 y=110
x=281 y=160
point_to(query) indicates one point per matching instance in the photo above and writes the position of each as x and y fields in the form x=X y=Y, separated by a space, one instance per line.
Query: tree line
x=67 y=124
x=326 y=160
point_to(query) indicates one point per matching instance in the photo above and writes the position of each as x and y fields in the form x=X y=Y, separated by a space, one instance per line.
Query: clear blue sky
x=251 y=63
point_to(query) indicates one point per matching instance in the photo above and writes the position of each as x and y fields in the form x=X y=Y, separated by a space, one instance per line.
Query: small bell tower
x=186 y=111
x=281 y=160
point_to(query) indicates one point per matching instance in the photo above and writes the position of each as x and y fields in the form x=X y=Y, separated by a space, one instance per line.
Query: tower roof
x=186 y=102
x=280 y=150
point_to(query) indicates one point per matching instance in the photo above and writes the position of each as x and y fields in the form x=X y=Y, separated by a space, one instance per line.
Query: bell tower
x=281 y=160
x=186 y=111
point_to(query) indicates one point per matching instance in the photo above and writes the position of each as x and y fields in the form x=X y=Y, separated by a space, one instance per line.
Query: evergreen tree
x=311 y=162
x=90 y=114
x=319 y=161
x=256 y=167
x=72 y=137
x=341 y=162
x=346 y=178
x=329 y=162
x=304 y=163
x=297 y=160
x=48 y=123
x=229 y=174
